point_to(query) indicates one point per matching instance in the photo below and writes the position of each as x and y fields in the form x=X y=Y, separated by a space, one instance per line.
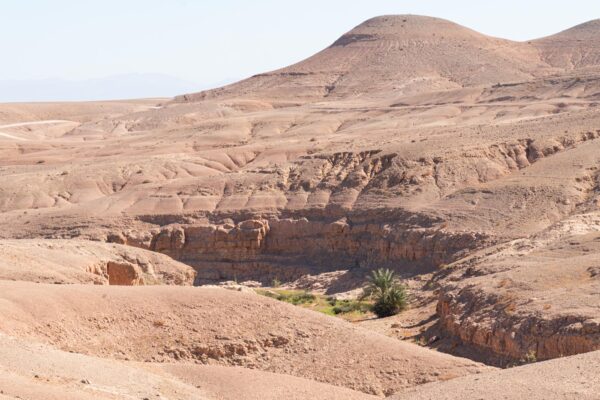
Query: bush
x=291 y=296
x=348 y=306
x=389 y=295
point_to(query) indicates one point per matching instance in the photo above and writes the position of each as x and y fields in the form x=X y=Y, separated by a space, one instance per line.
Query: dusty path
x=20 y=124
x=6 y=135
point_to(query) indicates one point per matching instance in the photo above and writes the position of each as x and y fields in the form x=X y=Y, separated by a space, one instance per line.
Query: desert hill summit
x=585 y=31
x=574 y=48
x=399 y=53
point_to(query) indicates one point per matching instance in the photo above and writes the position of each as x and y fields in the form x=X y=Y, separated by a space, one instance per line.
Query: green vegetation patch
x=295 y=297
x=351 y=310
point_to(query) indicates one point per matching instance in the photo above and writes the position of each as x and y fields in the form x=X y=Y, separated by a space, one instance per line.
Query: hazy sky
x=211 y=41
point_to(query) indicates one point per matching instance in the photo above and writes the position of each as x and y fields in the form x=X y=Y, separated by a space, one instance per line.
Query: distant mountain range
x=123 y=86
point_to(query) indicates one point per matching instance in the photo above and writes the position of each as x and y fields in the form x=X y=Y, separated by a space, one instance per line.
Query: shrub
x=390 y=297
x=349 y=306
x=530 y=357
x=290 y=296
x=349 y=309
x=298 y=298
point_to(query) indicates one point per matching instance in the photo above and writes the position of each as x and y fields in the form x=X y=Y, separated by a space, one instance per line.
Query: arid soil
x=468 y=164
x=574 y=377
x=218 y=326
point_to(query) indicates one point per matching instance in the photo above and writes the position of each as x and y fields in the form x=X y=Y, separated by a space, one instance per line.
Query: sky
x=208 y=43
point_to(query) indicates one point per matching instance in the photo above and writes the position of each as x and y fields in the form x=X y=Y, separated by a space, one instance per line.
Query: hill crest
x=406 y=53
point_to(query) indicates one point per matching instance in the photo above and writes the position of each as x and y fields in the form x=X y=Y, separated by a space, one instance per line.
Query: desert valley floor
x=138 y=235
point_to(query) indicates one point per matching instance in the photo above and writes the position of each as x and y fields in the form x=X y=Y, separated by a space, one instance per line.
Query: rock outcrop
x=490 y=324
x=530 y=299
x=87 y=262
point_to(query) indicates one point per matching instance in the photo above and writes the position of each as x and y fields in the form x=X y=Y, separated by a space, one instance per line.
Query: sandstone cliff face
x=529 y=299
x=265 y=249
x=489 y=324
x=124 y=274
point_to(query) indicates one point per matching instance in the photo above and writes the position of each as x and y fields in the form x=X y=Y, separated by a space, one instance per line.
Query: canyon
x=467 y=164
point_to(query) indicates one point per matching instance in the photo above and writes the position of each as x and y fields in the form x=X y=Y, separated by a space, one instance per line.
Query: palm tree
x=390 y=296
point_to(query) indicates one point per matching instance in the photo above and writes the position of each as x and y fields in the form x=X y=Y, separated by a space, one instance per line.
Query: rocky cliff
x=286 y=248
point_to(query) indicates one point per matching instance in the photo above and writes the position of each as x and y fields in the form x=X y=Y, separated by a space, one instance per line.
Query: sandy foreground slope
x=218 y=326
x=37 y=371
x=232 y=383
x=566 y=378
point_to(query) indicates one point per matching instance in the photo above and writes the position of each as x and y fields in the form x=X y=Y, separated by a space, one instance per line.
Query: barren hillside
x=218 y=326
x=407 y=54
x=574 y=48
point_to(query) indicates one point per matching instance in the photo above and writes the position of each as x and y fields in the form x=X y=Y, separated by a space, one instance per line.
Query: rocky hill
x=406 y=53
